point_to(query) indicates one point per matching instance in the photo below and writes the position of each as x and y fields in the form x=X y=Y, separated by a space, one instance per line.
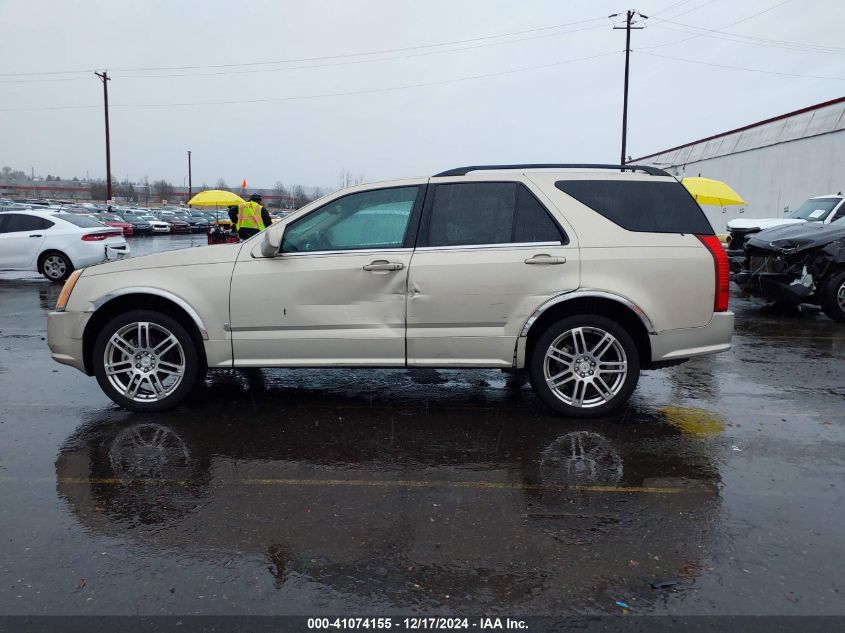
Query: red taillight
x=720 y=262
x=98 y=237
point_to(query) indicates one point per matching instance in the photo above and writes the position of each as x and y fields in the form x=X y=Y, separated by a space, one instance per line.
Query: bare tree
x=281 y=194
x=221 y=184
x=98 y=190
x=163 y=189
x=348 y=180
x=299 y=196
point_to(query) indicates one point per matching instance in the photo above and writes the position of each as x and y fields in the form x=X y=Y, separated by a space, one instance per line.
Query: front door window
x=366 y=220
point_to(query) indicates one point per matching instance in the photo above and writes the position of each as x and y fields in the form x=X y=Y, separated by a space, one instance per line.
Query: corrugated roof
x=821 y=118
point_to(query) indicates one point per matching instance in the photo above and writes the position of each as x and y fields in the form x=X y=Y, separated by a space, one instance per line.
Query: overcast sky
x=504 y=88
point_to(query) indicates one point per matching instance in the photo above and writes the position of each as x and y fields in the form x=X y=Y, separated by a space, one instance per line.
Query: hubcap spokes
x=144 y=361
x=585 y=367
x=840 y=297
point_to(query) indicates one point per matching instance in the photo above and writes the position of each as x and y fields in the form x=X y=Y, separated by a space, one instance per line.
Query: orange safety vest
x=249 y=216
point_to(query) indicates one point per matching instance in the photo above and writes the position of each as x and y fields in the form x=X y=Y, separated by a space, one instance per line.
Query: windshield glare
x=815 y=209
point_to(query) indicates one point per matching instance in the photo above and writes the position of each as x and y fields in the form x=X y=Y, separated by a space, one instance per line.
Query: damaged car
x=819 y=209
x=798 y=264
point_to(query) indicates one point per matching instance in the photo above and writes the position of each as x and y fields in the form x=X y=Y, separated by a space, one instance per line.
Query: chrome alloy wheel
x=840 y=297
x=585 y=367
x=144 y=361
x=54 y=266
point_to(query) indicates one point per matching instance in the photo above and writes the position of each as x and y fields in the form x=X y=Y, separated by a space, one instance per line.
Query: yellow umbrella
x=709 y=191
x=215 y=198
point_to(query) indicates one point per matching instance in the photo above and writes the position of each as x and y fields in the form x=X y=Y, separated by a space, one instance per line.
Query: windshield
x=815 y=209
x=111 y=218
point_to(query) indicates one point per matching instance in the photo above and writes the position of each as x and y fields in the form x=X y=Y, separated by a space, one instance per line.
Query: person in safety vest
x=250 y=218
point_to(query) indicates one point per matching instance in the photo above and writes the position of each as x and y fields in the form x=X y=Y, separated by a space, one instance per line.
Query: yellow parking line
x=383 y=483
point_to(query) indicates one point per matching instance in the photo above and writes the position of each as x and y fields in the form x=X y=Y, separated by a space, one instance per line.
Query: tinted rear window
x=15 y=222
x=639 y=205
x=80 y=220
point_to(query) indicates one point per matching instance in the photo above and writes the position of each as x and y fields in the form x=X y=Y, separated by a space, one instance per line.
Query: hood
x=201 y=255
x=761 y=223
x=798 y=237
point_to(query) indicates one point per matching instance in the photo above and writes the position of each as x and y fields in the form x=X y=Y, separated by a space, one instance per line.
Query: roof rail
x=463 y=171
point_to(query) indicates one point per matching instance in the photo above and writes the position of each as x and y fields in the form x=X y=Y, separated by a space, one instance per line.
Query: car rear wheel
x=145 y=361
x=832 y=297
x=55 y=266
x=584 y=366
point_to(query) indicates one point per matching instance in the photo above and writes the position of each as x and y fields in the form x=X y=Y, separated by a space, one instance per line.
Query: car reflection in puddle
x=408 y=501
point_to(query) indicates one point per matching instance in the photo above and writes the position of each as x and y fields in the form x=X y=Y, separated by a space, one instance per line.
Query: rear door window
x=640 y=205
x=482 y=213
x=17 y=222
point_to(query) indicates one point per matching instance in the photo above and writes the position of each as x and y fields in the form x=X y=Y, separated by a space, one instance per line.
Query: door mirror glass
x=270 y=243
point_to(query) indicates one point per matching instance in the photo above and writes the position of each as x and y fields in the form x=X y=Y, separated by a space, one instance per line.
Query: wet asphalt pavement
x=387 y=492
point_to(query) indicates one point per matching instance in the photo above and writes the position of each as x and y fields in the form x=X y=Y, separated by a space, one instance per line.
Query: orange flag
x=243 y=184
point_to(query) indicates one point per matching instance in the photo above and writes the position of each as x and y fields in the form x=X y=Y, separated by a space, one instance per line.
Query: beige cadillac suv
x=581 y=274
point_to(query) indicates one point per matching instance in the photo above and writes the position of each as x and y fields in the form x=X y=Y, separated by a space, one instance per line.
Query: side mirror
x=270 y=243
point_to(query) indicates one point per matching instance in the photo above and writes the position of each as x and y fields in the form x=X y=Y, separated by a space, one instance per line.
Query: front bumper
x=64 y=337
x=778 y=286
x=684 y=343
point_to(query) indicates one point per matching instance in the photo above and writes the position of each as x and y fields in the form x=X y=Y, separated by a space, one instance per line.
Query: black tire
x=832 y=297
x=584 y=367
x=146 y=366
x=55 y=266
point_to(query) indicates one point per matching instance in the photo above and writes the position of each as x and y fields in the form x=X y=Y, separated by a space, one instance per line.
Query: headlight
x=67 y=289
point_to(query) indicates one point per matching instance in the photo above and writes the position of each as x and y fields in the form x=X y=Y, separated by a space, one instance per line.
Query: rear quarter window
x=640 y=205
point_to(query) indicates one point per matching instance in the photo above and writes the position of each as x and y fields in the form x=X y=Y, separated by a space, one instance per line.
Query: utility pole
x=104 y=77
x=629 y=22
x=190 y=188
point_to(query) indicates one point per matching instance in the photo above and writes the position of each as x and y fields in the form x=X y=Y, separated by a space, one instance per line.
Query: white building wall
x=773 y=180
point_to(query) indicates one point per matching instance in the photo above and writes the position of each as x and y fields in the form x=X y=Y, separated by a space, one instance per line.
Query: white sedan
x=55 y=244
x=159 y=226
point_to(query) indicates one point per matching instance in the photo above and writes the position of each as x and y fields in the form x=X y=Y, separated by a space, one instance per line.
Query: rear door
x=21 y=237
x=488 y=254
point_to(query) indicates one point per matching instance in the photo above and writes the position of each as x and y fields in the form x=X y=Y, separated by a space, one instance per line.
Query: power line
x=701 y=6
x=726 y=26
x=753 y=70
x=323 y=95
x=313 y=59
x=337 y=63
x=670 y=7
x=749 y=39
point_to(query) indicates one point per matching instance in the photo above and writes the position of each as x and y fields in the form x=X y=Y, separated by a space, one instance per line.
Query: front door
x=335 y=294
x=21 y=237
x=489 y=254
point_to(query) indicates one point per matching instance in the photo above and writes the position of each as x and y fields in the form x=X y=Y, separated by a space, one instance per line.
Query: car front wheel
x=145 y=361
x=832 y=297
x=584 y=366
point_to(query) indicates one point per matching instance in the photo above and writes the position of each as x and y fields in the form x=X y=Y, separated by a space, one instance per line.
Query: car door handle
x=545 y=260
x=37 y=235
x=382 y=264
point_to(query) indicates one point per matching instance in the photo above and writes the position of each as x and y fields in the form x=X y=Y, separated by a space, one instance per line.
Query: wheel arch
x=595 y=302
x=127 y=299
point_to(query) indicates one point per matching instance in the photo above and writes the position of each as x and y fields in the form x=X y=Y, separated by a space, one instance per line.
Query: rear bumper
x=684 y=343
x=64 y=337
